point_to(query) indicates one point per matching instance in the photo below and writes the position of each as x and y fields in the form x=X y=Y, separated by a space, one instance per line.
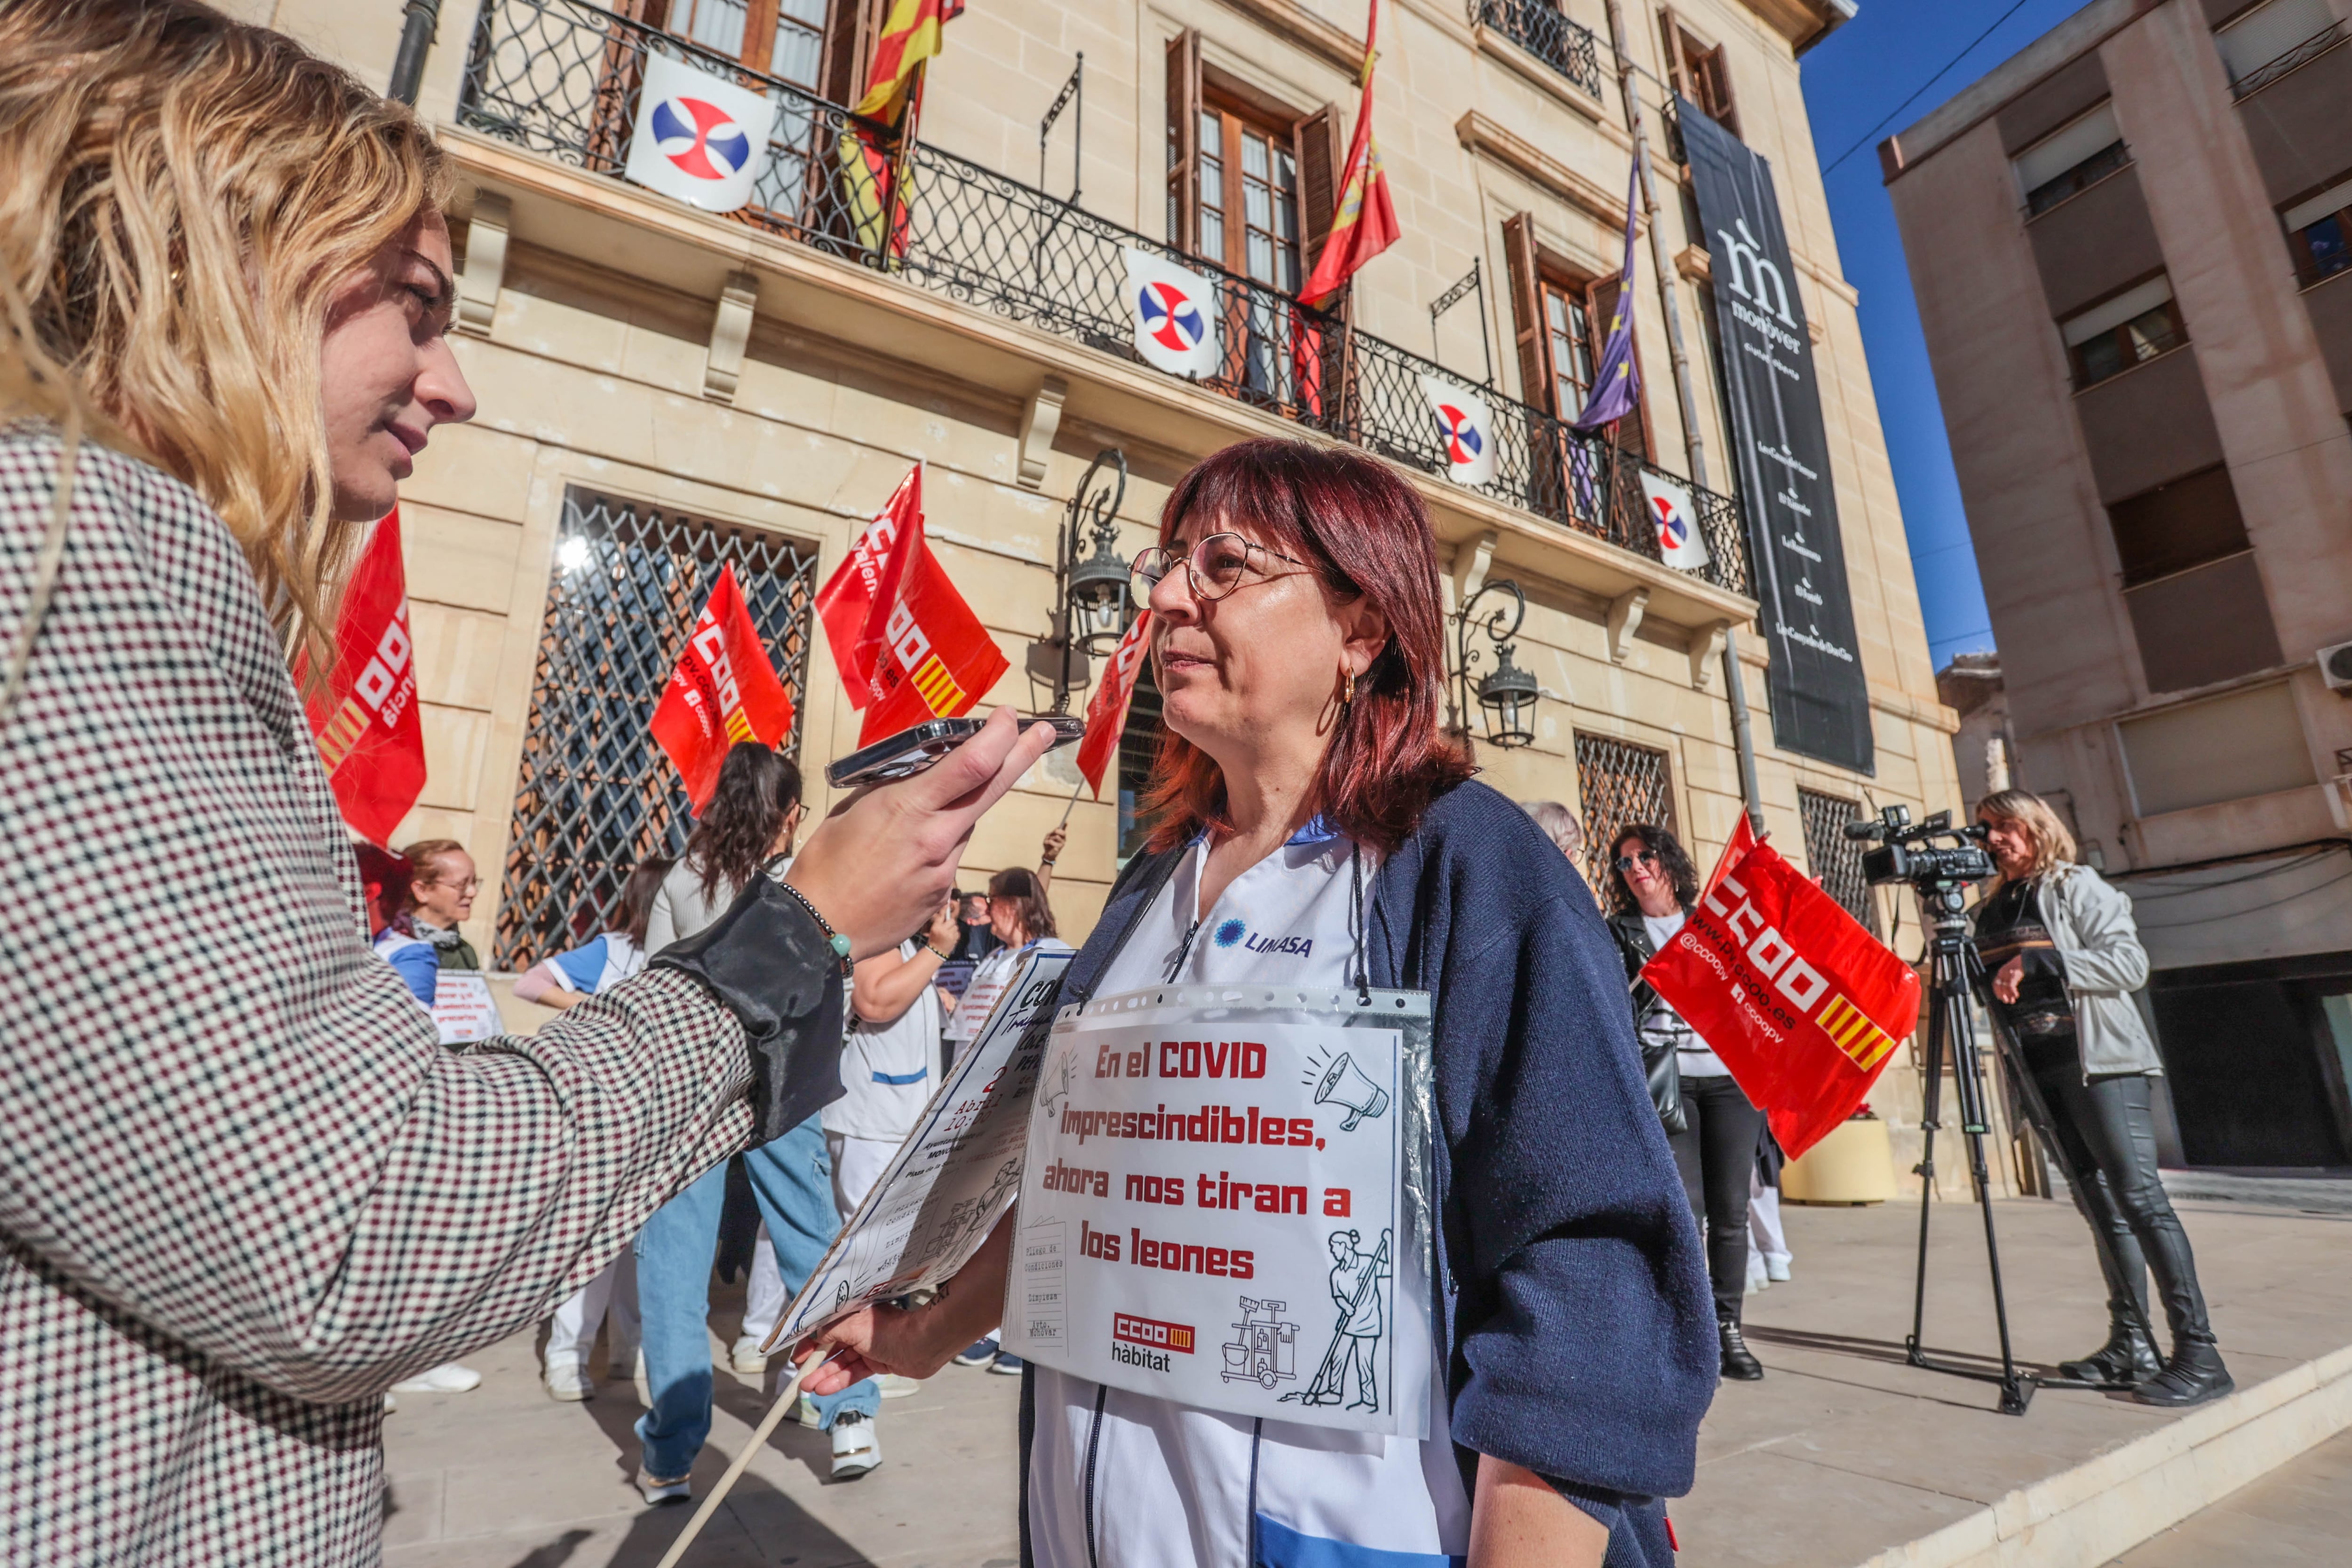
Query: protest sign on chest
x=1224 y=1203
x=463 y=1008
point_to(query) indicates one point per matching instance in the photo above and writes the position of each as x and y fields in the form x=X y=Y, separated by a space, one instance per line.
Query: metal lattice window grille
x=596 y=794
x=560 y=78
x=1834 y=857
x=1618 y=782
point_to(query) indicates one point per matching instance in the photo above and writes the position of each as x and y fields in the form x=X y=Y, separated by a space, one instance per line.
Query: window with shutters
x=1563 y=327
x=1700 y=72
x=1836 y=860
x=596 y=794
x=1139 y=744
x=1249 y=180
x=1618 y=783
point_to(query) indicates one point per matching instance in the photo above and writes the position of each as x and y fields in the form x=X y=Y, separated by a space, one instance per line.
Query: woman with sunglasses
x=1314 y=827
x=1654 y=885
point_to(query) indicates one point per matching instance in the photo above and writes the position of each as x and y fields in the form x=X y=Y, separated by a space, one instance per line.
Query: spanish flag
x=1366 y=223
x=910 y=36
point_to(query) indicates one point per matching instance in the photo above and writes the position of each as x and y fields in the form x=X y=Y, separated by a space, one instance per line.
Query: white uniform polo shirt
x=887 y=1070
x=1174 y=1487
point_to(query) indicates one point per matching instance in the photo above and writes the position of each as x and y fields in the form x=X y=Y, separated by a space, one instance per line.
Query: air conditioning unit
x=2336 y=668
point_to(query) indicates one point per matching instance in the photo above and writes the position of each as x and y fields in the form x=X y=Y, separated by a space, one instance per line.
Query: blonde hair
x=2054 y=845
x=186 y=195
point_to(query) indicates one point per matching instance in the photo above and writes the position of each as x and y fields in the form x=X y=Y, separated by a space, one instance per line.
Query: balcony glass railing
x=559 y=78
x=1537 y=26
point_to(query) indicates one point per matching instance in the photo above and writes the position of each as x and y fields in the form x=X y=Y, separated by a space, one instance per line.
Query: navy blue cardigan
x=1580 y=1326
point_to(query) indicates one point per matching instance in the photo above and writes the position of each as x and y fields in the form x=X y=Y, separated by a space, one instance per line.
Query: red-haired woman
x=1312 y=817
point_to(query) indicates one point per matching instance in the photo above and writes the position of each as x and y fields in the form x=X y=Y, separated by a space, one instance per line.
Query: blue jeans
x=792 y=1180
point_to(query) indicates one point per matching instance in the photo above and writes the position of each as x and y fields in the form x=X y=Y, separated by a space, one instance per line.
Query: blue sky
x=1852 y=81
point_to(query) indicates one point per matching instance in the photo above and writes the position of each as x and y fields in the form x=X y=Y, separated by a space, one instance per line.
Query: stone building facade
x=662 y=389
x=2132 y=248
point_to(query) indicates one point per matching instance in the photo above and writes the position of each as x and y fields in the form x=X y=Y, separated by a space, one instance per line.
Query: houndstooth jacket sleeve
x=242 y=1189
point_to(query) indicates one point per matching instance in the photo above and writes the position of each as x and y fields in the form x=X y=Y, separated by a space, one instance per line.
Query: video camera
x=1906 y=854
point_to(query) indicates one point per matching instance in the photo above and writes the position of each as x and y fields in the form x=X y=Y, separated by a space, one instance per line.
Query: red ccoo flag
x=1803 y=1005
x=1365 y=223
x=1107 y=710
x=910 y=648
x=364 y=718
x=868 y=577
x=723 y=690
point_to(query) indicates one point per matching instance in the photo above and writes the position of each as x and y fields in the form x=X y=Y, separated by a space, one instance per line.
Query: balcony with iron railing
x=559 y=78
x=1537 y=26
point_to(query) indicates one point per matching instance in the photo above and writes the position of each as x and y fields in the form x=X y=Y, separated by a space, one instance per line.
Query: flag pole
x=1694 y=443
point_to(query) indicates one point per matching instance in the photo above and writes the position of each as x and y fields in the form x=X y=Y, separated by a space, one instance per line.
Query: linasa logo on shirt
x=1237 y=933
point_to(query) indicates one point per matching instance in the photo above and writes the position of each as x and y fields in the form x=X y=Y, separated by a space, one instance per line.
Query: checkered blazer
x=242 y=1190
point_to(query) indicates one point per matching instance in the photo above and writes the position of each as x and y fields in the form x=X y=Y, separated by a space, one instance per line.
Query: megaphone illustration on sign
x=1345 y=1083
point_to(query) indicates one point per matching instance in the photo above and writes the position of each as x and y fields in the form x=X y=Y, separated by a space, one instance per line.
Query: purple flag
x=1617 y=383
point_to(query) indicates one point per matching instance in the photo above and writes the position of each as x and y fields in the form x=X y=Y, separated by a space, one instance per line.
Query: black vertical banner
x=1820 y=703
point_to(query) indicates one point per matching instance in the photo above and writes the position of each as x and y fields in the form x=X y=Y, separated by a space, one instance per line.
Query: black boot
x=1739 y=1361
x=2193 y=1375
x=2128 y=1356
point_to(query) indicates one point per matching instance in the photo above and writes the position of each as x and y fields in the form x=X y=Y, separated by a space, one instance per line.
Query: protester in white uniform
x=563 y=982
x=1314 y=825
x=1021 y=922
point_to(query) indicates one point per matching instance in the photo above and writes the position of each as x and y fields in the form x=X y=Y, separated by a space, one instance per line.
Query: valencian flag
x=724 y=690
x=1803 y=1005
x=364 y=718
x=908 y=647
x=1617 y=382
x=910 y=36
x=1365 y=223
x=1107 y=709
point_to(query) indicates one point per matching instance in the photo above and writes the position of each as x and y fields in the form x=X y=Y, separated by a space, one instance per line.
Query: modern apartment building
x=2132 y=248
x=663 y=389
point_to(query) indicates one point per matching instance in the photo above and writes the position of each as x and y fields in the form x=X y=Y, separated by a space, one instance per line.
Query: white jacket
x=2091 y=924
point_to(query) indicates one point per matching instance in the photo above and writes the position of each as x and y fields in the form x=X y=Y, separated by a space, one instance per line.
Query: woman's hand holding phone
x=884 y=858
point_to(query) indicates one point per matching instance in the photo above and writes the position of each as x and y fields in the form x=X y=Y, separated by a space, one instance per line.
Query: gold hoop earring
x=1350 y=695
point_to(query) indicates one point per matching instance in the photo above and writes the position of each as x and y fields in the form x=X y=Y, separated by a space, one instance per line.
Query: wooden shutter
x=1184 y=142
x=848 y=51
x=1527 y=308
x=1319 y=162
x=1672 y=31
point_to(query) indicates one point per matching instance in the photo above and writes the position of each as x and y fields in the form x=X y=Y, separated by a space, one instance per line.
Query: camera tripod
x=1954 y=974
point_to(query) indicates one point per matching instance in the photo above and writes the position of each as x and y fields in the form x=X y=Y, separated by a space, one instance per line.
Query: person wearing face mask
x=235 y=1221
x=441 y=896
x=1654 y=885
x=1315 y=827
x=2065 y=956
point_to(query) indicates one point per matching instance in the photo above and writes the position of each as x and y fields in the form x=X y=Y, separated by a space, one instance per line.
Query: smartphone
x=908 y=752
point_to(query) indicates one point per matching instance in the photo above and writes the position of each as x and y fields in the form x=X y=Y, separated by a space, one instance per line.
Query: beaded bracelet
x=839 y=943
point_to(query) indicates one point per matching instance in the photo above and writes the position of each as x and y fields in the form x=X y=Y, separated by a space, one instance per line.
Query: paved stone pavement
x=1841 y=1452
x=2298 y=1515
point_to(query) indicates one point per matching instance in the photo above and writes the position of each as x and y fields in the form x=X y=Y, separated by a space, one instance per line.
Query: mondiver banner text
x=1821 y=704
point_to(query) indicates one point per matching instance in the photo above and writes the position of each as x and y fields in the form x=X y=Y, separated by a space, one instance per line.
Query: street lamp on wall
x=1091 y=598
x=1507 y=695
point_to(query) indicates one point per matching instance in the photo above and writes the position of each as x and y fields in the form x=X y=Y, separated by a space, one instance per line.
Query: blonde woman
x=2065 y=956
x=243 y=1190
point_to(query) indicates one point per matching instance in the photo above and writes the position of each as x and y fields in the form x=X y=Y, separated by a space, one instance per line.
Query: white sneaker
x=447 y=1379
x=1777 y=1269
x=895 y=1386
x=806 y=1413
x=390 y=1404
x=657 y=1491
x=746 y=1357
x=568 y=1384
x=856 y=1449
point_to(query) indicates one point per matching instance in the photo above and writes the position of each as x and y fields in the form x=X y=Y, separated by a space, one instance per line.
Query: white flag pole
x=759 y=1435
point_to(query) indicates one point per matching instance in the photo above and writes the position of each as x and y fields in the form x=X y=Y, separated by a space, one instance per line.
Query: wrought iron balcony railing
x=560 y=76
x=1537 y=26
x=2303 y=54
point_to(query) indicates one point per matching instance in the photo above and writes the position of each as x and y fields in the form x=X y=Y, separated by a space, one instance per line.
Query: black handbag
x=1658 y=1063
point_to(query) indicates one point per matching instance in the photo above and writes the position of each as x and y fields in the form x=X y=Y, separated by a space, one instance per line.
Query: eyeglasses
x=1216 y=565
x=1625 y=863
